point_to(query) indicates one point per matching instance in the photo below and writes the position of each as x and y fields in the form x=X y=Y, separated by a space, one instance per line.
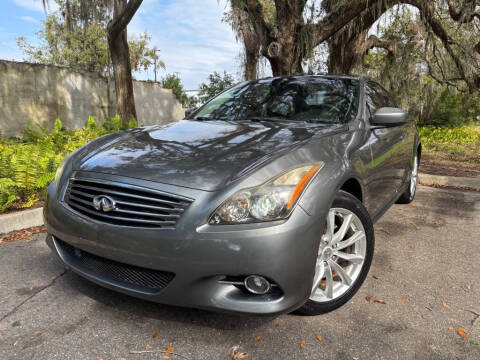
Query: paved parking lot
x=426 y=269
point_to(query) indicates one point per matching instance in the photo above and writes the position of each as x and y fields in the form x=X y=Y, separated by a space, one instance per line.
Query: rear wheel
x=409 y=194
x=344 y=256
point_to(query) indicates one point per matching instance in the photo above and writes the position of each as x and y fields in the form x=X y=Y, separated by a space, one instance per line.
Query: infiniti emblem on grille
x=104 y=203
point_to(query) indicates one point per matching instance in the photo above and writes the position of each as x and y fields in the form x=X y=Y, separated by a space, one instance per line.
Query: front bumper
x=199 y=256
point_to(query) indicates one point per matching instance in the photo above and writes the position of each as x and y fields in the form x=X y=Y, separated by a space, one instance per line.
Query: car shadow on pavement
x=110 y=300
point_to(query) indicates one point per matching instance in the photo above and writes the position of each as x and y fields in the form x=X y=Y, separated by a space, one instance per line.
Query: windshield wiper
x=265 y=118
x=202 y=118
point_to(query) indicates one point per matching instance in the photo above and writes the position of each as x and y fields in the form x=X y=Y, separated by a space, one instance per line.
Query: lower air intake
x=133 y=277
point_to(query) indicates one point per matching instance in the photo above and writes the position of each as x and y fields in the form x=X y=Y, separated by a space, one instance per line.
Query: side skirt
x=389 y=203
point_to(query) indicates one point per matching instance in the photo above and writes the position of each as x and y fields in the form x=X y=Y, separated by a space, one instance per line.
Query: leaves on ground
x=302 y=345
x=368 y=298
x=462 y=333
x=26 y=235
x=445 y=305
x=256 y=338
x=155 y=335
x=379 y=302
x=319 y=337
x=277 y=325
x=168 y=350
x=235 y=354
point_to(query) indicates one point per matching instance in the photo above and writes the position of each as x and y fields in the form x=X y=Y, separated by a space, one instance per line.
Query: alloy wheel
x=414 y=177
x=341 y=255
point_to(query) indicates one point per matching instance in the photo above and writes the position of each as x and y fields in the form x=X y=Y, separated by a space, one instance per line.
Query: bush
x=28 y=165
x=173 y=82
x=456 y=108
x=217 y=83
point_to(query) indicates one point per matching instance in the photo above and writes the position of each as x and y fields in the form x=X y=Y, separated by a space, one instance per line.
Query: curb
x=450 y=181
x=21 y=220
x=34 y=217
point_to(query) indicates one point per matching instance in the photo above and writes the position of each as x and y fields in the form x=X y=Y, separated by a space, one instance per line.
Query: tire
x=409 y=194
x=320 y=302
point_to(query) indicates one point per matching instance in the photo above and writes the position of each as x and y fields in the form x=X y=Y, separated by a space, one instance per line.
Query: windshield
x=312 y=99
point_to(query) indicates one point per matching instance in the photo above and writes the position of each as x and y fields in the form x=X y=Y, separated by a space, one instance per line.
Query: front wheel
x=344 y=256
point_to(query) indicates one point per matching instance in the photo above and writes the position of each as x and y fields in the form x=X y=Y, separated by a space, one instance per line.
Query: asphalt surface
x=426 y=253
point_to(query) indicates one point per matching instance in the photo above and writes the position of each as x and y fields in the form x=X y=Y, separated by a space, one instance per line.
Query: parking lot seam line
x=14 y=310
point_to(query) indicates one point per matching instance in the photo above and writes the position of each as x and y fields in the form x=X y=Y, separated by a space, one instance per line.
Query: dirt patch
x=439 y=163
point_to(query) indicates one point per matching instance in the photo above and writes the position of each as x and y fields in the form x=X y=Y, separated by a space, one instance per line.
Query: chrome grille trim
x=136 y=206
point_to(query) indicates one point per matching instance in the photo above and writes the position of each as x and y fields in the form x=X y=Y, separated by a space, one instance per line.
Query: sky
x=190 y=34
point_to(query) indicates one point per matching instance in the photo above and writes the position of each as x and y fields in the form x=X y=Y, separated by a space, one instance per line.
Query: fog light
x=257 y=284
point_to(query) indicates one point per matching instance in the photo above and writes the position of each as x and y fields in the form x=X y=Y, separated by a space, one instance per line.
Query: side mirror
x=189 y=112
x=389 y=116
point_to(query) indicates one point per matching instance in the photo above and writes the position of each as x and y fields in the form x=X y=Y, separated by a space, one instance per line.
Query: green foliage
x=462 y=142
x=217 y=83
x=413 y=73
x=173 y=82
x=28 y=165
x=68 y=39
x=456 y=108
x=7 y=194
x=462 y=135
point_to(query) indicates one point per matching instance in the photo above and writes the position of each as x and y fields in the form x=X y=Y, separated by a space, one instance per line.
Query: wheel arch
x=353 y=187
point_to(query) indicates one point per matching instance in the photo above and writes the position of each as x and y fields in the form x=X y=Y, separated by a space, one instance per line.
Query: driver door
x=387 y=145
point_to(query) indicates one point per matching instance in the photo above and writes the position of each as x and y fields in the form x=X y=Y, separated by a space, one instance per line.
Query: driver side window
x=374 y=97
x=377 y=97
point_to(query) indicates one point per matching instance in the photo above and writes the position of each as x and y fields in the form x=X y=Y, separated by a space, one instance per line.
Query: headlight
x=61 y=167
x=273 y=200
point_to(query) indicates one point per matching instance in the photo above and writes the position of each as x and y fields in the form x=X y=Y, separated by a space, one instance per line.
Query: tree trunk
x=123 y=12
x=341 y=58
x=123 y=76
x=251 y=62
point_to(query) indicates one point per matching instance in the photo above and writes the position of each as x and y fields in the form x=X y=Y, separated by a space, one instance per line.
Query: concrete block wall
x=35 y=93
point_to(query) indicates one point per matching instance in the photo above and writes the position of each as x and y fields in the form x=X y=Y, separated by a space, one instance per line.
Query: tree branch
x=427 y=10
x=442 y=81
x=122 y=19
x=373 y=41
x=466 y=14
x=346 y=11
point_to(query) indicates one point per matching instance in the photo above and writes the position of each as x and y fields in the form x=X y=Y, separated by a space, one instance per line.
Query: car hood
x=203 y=155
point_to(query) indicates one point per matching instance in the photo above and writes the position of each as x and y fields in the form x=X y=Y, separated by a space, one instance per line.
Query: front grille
x=135 y=206
x=133 y=277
